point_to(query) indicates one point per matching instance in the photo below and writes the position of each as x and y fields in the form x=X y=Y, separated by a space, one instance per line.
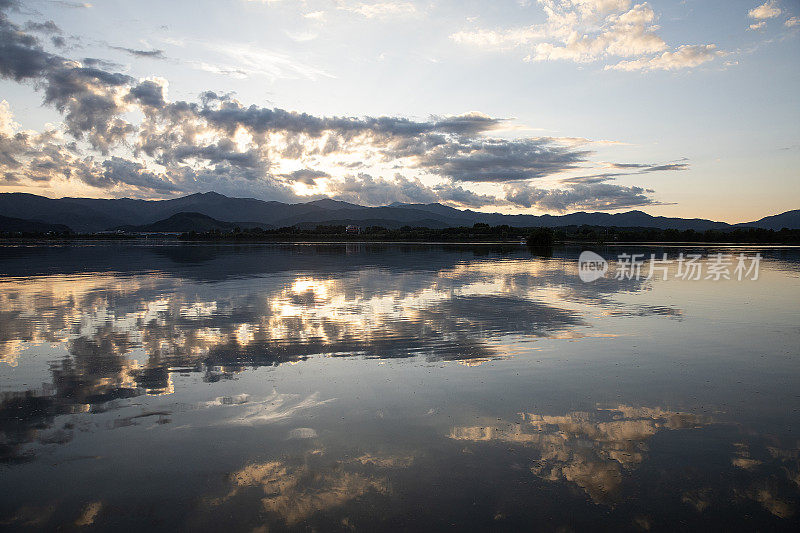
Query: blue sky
x=677 y=108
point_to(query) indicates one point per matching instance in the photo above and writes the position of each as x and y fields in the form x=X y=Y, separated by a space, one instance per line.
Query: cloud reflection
x=124 y=334
x=593 y=450
x=294 y=489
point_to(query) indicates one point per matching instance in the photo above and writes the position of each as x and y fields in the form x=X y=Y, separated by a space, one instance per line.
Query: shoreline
x=585 y=244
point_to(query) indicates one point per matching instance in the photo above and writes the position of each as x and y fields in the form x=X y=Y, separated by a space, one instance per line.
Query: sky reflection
x=333 y=386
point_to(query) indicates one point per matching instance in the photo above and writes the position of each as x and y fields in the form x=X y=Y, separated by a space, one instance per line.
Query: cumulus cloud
x=148 y=93
x=582 y=31
x=580 y=196
x=791 y=22
x=218 y=143
x=767 y=10
x=47 y=156
x=367 y=190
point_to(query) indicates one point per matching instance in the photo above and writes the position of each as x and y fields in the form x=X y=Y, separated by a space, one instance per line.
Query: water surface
x=392 y=387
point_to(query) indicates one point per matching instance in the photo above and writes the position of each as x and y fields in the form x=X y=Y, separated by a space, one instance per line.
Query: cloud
x=591 y=450
x=307 y=176
x=499 y=160
x=380 y=9
x=580 y=196
x=101 y=63
x=218 y=143
x=758 y=25
x=582 y=31
x=152 y=54
x=366 y=190
x=247 y=60
x=631 y=168
x=273 y=408
x=21 y=55
x=630 y=33
x=302 y=36
x=49 y=27
x=72 y=5
x=450 y=193
x=687 y=56
x=792 y=22
x=767 y=10
x=149 y=93
x=122 y=171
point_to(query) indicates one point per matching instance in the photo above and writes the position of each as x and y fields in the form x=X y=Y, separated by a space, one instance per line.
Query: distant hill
x=91 y=215
x=789 y=219
x=629 y=219
x=14 y=225
x=88 y=215
x=185 y=222
x=382 y=222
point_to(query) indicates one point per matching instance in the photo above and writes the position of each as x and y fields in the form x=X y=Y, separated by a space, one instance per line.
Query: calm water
x=392 y=387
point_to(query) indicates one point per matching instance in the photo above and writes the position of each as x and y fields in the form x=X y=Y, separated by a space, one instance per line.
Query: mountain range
x=203 y=211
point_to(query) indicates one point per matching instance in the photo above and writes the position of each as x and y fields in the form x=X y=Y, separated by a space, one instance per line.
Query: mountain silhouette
x=789 y=219
x=185 y=222
x=85 y=215
x=15 y=225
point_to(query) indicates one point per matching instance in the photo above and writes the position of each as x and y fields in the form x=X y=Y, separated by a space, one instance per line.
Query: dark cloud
x=217 y=143
x=306 y=175
x=500 y=160
x=640 y=168
x=122 y=171
x=648 y=167
x=85 y=95
x=49 y=27
x=581 y=196
x=224 y=150
x=89 y=100
x=670 y=166
x=148 y=93
x=593 y=178
x=100 y=63
x=228 y=115
x=21 y=55
x=152 y=54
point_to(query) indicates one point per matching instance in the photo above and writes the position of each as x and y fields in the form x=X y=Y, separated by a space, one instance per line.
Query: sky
x=678 y=108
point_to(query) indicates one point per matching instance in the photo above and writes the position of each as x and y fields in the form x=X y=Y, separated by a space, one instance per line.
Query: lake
x=386 y=387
